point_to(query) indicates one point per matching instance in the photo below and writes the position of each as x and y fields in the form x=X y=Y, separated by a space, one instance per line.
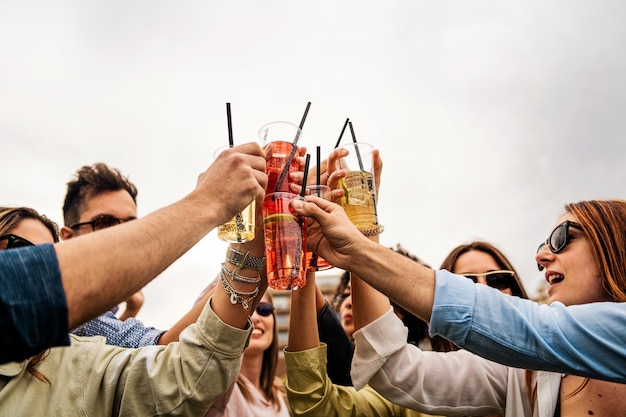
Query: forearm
x=303 y=318
x=340 y=348
x=254 y=248
x=368 y=304
x=228 y=311
x=403 y=280
x=136 y=252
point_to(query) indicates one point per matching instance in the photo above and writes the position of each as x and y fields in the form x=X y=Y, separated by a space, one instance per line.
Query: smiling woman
x=584 y=263
x=258 y=392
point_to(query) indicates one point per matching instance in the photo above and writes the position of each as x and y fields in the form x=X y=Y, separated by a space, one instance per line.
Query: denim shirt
x=586 y=340
x=33 y=307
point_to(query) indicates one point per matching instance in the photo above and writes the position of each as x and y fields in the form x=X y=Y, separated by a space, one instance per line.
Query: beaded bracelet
x=240 y=278
x=244 y=260
x=375 y=231
x=238 y=296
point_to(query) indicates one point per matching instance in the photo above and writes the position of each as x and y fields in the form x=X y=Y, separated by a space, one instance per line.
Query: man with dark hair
x=99 y=197
x=90 y=182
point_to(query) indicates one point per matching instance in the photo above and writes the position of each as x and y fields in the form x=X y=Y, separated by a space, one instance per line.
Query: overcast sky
x=489 y=115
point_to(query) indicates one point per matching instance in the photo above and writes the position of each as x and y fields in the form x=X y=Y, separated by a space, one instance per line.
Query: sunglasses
x=559 y=238
x=501 y=279
x=102 y=222
x=264 y=309
x=13 y=241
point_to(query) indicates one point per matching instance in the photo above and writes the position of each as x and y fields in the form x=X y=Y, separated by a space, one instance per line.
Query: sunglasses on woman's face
x=559 y=238
x=500 y=280
x=10 y=241
x=264 y=309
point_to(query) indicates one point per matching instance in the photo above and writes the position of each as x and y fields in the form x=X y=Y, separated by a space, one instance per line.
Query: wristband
x=375 y=231
x=244 y=260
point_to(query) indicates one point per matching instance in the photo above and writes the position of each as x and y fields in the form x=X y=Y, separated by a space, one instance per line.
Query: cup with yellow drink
x=359 y=200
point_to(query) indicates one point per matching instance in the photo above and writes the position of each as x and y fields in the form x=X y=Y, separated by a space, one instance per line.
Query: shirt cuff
x=36 y=298
x=455 y=300
x=219 y=334
x=374 y=343
x=304 y=367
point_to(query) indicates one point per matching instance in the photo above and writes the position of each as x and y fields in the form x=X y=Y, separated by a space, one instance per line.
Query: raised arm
x=309 y=390
x=109 y=266
x=254 y=249
x=589 y=347
x=582 y=339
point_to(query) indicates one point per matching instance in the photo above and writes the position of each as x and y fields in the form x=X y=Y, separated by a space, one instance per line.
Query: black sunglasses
x=264 y=309
x=559 y=238
x=13 y=241
x=102 y=222
x=500 y=280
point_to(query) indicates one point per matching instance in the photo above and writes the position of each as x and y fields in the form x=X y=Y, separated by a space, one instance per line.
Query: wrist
x=244 y=260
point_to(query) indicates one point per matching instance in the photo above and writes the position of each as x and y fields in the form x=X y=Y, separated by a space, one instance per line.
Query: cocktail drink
x=282 y=135
x=314 y=261
x=241 y=227
x=285 y=243
x=276 y=166
x=359 y=200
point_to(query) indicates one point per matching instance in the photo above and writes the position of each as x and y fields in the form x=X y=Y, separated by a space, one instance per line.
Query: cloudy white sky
x=489 y=115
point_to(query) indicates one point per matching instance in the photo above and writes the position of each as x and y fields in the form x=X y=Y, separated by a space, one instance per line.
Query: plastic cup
x=314 y=261
x=282 y=135
x=359 y=200
x=285 y=243
x=240 y=228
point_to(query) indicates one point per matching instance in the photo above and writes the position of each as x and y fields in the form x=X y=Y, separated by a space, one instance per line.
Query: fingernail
x=297 y=204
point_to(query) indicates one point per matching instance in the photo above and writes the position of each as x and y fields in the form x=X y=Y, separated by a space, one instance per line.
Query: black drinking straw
x=343 y=129
x=306 y=174
x=293 y=150
x=230 y=126
x=306 y=111
x=319 y=164
x=238 y=218
x=294 y=272
x=356 y=147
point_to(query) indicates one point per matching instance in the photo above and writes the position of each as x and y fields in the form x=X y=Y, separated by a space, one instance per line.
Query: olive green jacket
x=90 y=378
x=311 y=393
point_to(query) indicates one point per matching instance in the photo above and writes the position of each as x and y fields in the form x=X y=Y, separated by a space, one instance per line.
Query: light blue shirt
x=587 y=340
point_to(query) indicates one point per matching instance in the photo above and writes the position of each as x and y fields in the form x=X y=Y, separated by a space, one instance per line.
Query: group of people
x=398 y=339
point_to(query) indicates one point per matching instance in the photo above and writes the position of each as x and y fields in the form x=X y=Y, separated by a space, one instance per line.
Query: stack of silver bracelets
x=241 y=261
